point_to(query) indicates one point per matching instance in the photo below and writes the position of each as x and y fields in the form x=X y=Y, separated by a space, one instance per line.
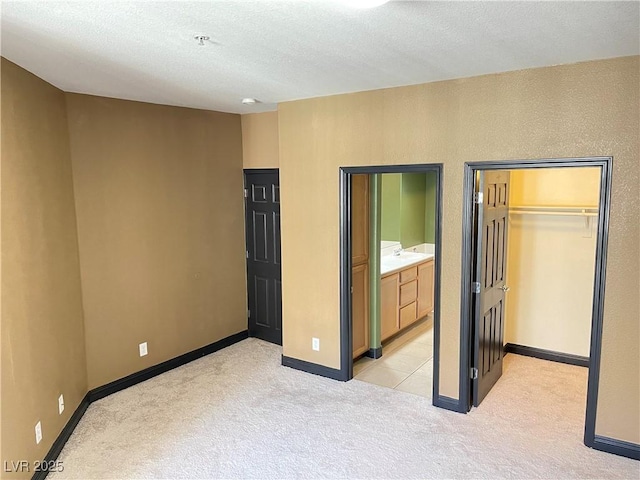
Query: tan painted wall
x=43 y=351
x=551 y=261
x=260 y=147
x=565 y=111
x=160 y=225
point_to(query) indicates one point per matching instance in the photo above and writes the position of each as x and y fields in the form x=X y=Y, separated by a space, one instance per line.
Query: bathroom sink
x=389 y=263
x=410 y=255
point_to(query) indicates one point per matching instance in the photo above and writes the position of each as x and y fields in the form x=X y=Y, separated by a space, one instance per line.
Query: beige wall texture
x=260 y=147
x=43 y=350
x=584 y=109
x=551 y=261
x=159 y=202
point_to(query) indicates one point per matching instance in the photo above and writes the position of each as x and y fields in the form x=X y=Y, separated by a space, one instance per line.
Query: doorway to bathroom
x=390 y=276
x=534 y=262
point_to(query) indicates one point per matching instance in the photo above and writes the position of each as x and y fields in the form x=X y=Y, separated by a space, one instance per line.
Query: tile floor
x=406 y=363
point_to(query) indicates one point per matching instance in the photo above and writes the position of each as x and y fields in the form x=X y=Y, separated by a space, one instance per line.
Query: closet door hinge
x=246 y=193
x=478 y=198
x=473 y=373
x=475 y=287
x=248 y=313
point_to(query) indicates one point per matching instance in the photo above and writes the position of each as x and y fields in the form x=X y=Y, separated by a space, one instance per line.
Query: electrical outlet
x=143 y=349
x=38 y=432
x=315 y=344
x=60 y=404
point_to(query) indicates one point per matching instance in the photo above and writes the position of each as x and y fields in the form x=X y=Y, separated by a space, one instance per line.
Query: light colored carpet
x=239 y=414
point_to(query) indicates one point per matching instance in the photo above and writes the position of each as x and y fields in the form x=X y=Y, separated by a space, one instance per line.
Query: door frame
x=346 y=332
x=466 y=301
x=245 y=172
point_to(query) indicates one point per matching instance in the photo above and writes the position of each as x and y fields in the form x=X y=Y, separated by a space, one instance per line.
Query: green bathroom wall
x=430 y=208
x=408 y=207
x=390 y=208
x=412 y=209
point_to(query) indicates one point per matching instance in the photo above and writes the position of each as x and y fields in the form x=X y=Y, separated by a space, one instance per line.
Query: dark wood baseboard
x=126 y=382
x=147 y=373
x=314 y=368
x=61 y=440
x=617 y=447
x=547 y=355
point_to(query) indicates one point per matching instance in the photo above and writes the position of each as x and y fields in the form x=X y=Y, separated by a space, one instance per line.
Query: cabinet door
x=388 y=306
x=360 y=309
x=359 y=219
x=425 y=288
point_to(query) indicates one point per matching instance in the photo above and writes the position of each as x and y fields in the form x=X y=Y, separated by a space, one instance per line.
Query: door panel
x=491 y=249
x=263 y=255
x=260 y=249
x=359 y=219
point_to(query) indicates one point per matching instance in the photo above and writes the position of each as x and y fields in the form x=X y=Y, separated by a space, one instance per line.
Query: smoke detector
x=201 y=39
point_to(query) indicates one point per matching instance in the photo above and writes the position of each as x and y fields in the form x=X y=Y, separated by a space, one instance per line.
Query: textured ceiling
x=277 y=51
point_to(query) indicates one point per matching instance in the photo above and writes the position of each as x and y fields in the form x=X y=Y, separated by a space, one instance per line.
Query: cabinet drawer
x=408 y=274
x=408 y=293
x=407 y=315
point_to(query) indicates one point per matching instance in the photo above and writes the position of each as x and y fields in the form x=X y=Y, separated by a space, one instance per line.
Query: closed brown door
x=492 y=212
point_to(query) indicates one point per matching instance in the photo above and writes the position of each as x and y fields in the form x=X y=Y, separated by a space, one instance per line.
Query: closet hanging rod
x=541 y=212
x=578 y=211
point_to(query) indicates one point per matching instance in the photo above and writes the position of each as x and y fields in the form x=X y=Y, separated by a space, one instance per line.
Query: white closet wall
x=551 y=260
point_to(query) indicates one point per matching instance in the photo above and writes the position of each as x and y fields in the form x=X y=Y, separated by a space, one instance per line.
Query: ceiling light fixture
x=363 y=3
x=249 y=101
x=201 y=39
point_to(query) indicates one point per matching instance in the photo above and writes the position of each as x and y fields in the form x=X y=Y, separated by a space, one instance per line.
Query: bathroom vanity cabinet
x=406 y=296
x=426 y=288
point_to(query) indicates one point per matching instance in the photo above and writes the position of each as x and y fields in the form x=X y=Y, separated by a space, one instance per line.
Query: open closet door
x=492 y=220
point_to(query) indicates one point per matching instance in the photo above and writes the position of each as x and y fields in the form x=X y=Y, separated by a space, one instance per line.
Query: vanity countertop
x=392 y=263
